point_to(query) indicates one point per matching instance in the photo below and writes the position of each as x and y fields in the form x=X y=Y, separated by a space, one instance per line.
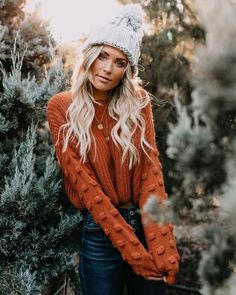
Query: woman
x=104 y=137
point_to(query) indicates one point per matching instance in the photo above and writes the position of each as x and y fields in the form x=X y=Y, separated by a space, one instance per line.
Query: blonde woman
x=104 y=137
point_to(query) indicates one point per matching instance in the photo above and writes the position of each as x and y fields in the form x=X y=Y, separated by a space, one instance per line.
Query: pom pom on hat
x=132 y=16
x=124 y=32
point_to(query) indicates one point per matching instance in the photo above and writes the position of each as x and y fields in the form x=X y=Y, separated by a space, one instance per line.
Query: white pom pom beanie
x=124 y=32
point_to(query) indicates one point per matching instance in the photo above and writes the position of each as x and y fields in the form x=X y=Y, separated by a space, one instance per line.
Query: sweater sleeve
x=88 y=192
x=160 y=238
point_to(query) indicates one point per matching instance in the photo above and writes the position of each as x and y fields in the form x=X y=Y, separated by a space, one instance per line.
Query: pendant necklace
x=100 y=125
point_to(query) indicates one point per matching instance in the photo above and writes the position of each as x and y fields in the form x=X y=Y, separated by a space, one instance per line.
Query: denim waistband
x=132 y=211
x=125 y=212
x=131 y=215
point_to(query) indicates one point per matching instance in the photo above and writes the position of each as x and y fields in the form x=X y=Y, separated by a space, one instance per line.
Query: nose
x=108 y=67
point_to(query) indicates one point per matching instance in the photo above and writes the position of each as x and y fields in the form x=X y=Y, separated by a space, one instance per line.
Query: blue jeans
x=102 y=270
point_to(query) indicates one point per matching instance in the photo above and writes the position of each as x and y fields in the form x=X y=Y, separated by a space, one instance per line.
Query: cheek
x=96 y=66
x=93 y=68
x=118 y=76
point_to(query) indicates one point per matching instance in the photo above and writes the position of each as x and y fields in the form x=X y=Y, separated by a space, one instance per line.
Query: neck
x=100 y=96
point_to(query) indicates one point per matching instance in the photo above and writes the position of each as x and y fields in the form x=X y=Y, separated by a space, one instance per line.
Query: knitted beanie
x=124 y=32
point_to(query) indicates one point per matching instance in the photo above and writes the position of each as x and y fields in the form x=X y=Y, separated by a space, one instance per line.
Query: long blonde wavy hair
x=125 y=105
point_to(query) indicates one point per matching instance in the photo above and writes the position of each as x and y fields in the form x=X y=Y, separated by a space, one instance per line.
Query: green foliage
x=22 y=98
x=38 y=230
x=32 y=34
x=35 y=235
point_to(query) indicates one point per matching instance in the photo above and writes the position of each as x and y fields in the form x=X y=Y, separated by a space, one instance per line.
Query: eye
x=102 y=56
x=121 y=63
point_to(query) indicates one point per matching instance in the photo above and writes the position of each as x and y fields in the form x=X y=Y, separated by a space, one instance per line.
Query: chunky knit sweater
x=102 y=183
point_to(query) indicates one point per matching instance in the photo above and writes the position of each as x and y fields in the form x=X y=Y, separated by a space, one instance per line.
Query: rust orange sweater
x=100 y=185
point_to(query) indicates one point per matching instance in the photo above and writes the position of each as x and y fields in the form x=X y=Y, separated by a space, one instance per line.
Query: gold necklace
x=99 y=124
x=104 y=131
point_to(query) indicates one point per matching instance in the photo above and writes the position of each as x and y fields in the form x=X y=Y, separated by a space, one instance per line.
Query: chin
x=101 y=87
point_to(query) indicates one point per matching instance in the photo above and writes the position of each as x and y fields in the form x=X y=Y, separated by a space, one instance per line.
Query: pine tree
x=38 y=228
x=34 y=33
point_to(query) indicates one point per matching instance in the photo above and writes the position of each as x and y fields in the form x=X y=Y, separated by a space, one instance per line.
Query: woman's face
x=107 y=70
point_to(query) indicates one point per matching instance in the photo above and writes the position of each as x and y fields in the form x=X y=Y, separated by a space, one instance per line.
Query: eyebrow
x=118 y=58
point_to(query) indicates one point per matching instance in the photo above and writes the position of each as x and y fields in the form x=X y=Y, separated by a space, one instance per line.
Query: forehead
x=114 y=52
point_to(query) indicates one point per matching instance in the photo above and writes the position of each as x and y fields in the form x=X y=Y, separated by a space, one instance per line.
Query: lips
x=104 y=79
